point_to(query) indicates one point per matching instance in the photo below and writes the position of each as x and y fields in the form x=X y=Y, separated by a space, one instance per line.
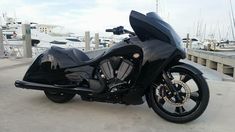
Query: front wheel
x=188 y=100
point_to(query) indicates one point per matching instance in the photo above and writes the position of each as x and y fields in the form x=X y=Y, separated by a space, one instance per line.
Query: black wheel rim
x=175 y=110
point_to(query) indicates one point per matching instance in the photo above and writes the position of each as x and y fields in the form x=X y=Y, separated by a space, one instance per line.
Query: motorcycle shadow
x=77 y=104
x=106 y=111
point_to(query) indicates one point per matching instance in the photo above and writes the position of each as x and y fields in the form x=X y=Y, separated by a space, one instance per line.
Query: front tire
x=59 y=97
x=180 y=114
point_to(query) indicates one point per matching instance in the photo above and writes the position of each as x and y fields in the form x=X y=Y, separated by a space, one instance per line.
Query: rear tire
x=59 y=97
x=183 y=116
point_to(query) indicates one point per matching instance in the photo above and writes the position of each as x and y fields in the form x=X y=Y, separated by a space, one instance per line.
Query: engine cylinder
x=123 y=69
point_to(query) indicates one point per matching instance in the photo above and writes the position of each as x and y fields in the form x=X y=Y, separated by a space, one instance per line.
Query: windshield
x=152 y=26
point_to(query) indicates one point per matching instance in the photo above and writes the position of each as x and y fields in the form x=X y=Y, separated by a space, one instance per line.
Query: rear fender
x=33 y=67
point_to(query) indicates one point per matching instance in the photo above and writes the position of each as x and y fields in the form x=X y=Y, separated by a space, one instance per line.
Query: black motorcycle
x=147 y=64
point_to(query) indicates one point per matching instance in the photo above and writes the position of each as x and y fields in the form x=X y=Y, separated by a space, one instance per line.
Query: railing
x=16 y=51
x=13 y=51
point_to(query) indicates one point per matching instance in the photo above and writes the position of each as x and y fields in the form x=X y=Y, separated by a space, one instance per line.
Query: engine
x=116 y=71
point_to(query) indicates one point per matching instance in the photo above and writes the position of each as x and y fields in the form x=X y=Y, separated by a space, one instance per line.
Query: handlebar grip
x=109 y=30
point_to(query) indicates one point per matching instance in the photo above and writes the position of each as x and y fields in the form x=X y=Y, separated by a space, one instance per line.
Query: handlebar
x=109 y=30
x=119 y=31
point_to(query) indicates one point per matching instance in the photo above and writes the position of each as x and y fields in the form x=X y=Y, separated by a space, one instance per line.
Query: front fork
x=168 y=82
x=167 y=78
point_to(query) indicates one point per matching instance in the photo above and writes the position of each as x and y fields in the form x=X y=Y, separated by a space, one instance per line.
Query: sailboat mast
x=232 y=19
x=204 y=35
x=197 y=30
x=157 y=6
x=219 y=32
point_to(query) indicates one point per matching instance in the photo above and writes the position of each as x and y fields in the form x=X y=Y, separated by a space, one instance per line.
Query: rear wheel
x=186 y=103
x=59 y=97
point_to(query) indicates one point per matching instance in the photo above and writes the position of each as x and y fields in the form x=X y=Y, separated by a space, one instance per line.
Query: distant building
x=44 y=28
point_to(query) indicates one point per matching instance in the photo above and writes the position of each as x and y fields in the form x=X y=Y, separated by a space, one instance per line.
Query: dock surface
x=30 y=111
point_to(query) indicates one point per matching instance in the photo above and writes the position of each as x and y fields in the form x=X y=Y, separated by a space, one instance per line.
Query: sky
x=78 y=16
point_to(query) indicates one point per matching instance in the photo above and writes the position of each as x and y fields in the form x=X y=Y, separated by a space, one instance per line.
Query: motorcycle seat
x=70 y=57
x=92 y=60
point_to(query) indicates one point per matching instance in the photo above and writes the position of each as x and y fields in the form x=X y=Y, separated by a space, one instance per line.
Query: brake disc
x=168 y=96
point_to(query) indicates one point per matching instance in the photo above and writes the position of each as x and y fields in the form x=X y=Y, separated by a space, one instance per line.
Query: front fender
x=188 y=67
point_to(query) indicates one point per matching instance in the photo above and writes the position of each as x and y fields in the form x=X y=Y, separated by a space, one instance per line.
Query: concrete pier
x=215 y=60
x=27 y=46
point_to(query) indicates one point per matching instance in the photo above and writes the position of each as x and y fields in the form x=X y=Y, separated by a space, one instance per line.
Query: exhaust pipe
x=57 y=88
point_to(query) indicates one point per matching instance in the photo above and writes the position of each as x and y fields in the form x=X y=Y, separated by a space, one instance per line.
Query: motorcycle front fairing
x=160 y=44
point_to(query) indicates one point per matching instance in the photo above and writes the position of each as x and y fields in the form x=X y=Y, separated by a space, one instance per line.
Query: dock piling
x=188 y=40
x=87 y=41
x=97 y=41
x=27 y=46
